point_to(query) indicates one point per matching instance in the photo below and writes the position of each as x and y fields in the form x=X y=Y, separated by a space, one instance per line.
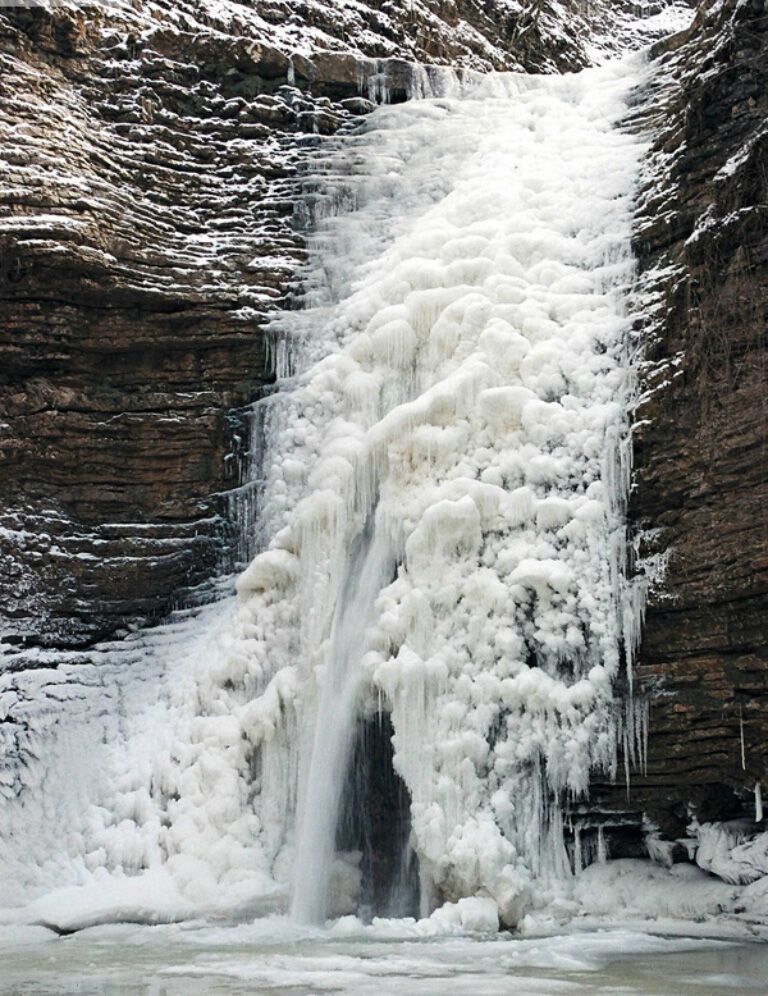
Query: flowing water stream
x=371 y=568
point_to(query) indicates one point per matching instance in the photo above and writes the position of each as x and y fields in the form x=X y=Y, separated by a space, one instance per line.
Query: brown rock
x=702 y=459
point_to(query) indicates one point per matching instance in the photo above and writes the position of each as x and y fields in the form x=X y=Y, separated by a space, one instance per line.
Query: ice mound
x=470 y=411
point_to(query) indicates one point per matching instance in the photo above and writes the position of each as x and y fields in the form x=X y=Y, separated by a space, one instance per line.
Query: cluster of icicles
x=447 y=476
x=446 y=471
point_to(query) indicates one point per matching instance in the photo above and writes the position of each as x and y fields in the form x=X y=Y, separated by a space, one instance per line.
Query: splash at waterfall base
x=447 y=464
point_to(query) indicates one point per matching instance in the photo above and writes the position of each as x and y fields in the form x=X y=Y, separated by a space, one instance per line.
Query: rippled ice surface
x=274 y=957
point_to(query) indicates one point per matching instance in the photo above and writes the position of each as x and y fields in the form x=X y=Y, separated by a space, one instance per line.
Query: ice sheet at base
x=274 y=957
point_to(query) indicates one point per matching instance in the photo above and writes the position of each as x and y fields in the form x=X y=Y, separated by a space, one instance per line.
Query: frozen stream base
x=277 y=958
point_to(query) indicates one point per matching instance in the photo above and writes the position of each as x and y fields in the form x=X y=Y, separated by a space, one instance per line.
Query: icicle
x=741 y=737
x=602 y=850
x=378 y=83
x=578 y=855
x=419 y=86
x=631 y=738
x=758 y=803
x=627 y=777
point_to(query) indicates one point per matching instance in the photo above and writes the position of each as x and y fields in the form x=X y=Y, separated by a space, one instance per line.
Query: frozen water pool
x=275 y=957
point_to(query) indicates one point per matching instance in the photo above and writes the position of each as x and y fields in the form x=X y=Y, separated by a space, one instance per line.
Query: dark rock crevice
x=375 y=823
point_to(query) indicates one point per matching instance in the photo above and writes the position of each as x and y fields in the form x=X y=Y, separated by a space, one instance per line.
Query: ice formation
x=470 y=412
x=446 y=473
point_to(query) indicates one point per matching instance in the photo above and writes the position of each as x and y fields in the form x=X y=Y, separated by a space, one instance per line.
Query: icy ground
x=274 y=957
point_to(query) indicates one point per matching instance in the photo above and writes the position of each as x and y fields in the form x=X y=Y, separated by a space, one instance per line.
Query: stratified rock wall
x=700 y=500
x=144 y=236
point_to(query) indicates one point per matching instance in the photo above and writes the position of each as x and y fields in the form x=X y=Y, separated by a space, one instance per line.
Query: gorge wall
x=701 y=477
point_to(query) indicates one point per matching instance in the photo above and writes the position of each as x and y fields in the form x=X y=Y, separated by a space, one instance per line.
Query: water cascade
x=467 y=387
x=334 y=726
x=445 y=477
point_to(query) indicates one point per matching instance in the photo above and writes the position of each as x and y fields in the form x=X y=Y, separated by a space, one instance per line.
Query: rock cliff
x=146 y=235
x=699 y=505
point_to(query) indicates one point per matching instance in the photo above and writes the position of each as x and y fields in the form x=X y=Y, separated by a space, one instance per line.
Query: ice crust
x=473 y=403
x=274 y=955
x=732 y=851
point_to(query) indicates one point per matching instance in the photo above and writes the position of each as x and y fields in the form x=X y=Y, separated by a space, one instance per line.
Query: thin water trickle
x=371 y=567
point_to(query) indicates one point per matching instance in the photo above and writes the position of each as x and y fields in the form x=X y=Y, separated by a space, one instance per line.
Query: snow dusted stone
x=732 y=851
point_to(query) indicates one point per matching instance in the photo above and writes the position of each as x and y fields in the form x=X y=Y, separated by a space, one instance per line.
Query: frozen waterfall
x=446 y=475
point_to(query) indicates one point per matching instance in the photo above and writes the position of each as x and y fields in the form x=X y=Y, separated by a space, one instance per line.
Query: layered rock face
x=700 y=500
x=146 y=235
